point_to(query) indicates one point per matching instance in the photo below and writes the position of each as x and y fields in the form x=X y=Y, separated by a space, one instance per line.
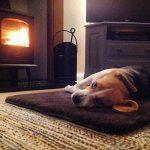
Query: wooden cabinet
x=116 y=44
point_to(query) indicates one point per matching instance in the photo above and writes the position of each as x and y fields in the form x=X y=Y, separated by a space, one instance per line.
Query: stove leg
x=14 y=77
x=29 y=76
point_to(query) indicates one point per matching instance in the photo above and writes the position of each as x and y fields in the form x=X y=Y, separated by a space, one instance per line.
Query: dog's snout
x=76 y=99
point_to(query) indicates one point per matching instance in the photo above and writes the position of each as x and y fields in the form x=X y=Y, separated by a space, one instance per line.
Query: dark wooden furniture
x=13 y=70
x=116 y=44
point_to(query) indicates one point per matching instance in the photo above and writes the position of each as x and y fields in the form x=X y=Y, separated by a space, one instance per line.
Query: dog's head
x=109 y=90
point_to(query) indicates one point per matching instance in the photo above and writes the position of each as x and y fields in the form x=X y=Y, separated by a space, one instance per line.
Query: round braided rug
x=25 y=129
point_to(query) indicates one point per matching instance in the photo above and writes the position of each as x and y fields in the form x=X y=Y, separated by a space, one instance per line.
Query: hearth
x=16 y=38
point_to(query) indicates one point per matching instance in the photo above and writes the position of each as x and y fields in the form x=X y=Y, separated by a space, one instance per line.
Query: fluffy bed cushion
x=59 y=104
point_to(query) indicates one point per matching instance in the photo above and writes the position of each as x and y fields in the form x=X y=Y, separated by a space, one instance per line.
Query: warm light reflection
x=15 y=32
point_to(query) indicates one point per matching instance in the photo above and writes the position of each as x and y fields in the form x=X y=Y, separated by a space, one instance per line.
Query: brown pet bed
x=59 y=104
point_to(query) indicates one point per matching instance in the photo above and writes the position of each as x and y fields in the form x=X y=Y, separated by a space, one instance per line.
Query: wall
x=75 y=16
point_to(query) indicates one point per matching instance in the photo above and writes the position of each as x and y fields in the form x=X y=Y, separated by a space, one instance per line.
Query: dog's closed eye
x=94 y=85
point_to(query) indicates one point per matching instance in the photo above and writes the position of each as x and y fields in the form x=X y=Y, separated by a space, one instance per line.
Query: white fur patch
x=71 y=89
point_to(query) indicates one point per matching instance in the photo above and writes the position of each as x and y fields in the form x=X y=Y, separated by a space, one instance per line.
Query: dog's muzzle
x=82 y=98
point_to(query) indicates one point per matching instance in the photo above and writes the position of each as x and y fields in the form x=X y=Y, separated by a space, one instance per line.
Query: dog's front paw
x=70 y=89
x=67 y=88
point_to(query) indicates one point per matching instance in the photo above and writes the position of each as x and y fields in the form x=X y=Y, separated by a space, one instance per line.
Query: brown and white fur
x=111 y=87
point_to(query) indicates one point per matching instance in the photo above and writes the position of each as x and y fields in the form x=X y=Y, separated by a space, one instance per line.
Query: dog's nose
x=76 y=99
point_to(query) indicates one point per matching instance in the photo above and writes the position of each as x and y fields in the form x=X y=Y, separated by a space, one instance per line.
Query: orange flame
x=15 y=33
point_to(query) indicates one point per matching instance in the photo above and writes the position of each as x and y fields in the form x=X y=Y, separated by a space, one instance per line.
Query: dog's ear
x=127 y=106
x=123 y=77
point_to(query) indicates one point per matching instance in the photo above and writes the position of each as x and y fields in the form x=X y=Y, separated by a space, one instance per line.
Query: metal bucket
x=65 y=61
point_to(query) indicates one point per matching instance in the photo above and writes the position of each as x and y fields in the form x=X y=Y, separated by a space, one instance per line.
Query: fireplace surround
x=45 y=22
x=16 y=38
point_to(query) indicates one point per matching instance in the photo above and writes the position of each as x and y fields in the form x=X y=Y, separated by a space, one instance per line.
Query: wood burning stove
x=16 y=38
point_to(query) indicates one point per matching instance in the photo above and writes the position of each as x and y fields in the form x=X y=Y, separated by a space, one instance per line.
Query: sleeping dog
x=121 y=88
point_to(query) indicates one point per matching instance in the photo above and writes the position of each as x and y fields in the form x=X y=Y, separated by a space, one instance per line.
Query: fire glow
x=15 y=33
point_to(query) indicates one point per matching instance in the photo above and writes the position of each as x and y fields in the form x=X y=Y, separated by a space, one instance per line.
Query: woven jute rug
x=22 y=128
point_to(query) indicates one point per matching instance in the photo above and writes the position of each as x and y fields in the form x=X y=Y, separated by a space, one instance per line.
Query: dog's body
x=113 y=87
